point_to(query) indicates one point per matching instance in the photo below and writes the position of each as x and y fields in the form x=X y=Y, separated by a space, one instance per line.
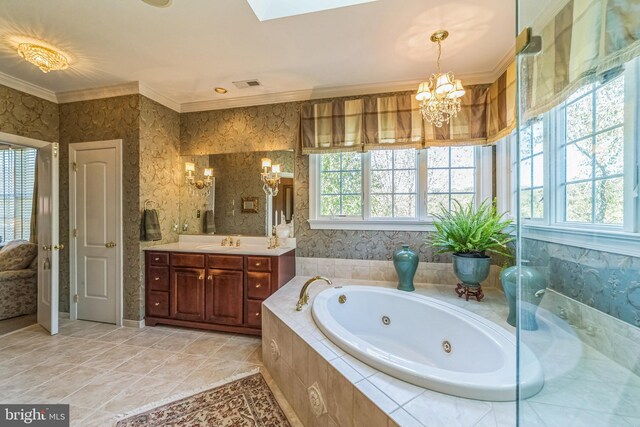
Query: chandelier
x=43 y=57
x=440 y=96
x=270 y=178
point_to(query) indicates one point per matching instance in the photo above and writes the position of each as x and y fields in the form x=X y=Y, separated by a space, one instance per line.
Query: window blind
x=17 y=179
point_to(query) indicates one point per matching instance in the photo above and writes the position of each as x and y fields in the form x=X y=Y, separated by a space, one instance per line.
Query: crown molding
x=159 y=98
x=504 y=62
x=26 y=87
x=131 y=88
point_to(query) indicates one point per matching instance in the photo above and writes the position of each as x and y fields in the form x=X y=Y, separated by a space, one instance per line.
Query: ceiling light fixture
x=45 y=58
x=440 y=96
x=220 y=90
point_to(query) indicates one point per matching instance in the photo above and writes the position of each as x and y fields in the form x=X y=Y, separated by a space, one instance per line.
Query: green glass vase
x=405 y=262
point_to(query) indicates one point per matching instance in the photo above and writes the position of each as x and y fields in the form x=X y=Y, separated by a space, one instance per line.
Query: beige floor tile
x=96 y=419
x=146 y=338
x=98 y=330
x=94 y=394
x=175 y=342
x=68 y=383
x=235 y=350
x=120 y=335
x=143 y=392
x=211 y=371
x=113 y=357
x=205 y=345
x=177 y=367
x=33 y=377
x=145 y=362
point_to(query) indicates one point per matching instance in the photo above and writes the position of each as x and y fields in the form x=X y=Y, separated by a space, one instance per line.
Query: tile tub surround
x=357 y=395
x=103 y=370
x=360 y=269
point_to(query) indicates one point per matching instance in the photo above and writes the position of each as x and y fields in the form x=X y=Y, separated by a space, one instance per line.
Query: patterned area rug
x=244 y=402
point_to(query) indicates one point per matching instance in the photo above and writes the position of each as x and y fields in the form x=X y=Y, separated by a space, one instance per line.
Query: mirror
x=223 y=193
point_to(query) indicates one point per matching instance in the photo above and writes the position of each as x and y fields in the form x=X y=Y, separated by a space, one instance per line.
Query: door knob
x=110 y=245
x=58 y=247
x=46 y=248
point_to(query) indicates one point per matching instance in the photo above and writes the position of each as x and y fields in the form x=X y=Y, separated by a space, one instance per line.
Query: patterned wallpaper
x=26 y=115
x=260 y=128
x=99 y=120
x=160 y=176
x=191 y=199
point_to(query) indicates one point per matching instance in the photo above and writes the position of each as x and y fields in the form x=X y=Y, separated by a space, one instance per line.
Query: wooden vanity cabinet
x=211 y=291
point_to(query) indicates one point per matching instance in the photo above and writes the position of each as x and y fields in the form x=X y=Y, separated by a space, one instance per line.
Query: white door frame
x=73 y=250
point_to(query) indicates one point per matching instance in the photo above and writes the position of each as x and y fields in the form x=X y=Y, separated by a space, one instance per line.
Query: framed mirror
x=250 y=205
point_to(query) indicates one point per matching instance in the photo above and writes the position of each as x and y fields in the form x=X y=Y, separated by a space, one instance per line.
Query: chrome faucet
x=304 y=294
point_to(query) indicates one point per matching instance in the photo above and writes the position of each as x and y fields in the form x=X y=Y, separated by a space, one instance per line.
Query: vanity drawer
x=158 y=304
x=258 y=285
x=254 y=314
x=158 y=278
x=158 y=258
x=225 y=262
x=187 y=260
x=258 y=263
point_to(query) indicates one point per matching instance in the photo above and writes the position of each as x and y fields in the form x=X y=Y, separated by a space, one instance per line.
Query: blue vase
x=405 y=262
x=532 y=282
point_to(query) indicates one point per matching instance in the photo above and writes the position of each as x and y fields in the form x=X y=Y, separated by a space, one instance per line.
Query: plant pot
x=531 y=283
x=405 y=262
x=471 y=269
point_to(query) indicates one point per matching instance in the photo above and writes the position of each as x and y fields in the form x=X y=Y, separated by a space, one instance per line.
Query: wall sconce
x=200 y=184
x=270 y=177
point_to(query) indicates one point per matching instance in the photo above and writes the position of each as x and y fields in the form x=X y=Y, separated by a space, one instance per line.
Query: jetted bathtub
x=426 y=342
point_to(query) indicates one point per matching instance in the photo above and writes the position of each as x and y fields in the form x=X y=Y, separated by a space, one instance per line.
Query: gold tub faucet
x=304 y=294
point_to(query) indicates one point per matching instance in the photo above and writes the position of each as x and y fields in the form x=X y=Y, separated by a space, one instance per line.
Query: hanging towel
x=209 y=225
x=150 y=227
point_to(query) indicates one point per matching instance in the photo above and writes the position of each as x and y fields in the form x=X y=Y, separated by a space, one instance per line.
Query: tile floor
x=103 y=370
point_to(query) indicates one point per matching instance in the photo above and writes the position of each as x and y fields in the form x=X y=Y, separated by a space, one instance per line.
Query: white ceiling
x=183 y=51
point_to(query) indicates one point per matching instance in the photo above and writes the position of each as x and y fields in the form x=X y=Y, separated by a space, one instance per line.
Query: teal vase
x=406 y=263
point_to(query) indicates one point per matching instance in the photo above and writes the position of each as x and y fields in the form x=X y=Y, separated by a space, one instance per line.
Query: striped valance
x=501 y=105
x=582 y=42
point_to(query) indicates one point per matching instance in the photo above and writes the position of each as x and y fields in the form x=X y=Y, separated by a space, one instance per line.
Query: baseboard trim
x=133 y=323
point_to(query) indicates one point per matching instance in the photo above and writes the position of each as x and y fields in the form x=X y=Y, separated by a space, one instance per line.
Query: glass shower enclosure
x=578 y=257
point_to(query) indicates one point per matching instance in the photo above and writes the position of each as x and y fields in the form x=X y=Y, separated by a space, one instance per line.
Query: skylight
x=274 y=9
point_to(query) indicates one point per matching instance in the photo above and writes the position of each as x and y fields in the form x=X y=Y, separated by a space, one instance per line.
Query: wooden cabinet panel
x=258 y=285
x=258 y=263
x=158 y=278
x=158 y=304
x=180 y=259
x=224 y=297
x=225 y=262
x=187 y=293
x=158 y=258
x=254 y=314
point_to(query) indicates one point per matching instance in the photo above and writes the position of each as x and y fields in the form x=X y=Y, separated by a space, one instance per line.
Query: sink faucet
x=304 y=294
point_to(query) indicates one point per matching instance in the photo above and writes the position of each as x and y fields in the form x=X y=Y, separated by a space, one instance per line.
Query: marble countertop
x=216 y=248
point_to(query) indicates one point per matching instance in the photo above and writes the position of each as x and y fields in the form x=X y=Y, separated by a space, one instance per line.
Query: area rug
x=247 y=401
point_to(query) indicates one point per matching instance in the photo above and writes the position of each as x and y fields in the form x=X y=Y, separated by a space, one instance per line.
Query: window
x=594 y=154
x=451 y=176
x=17 y=175
x=532 y=170
x=394 y=189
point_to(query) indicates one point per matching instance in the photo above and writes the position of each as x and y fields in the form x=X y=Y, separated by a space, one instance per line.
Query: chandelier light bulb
x=43 y=57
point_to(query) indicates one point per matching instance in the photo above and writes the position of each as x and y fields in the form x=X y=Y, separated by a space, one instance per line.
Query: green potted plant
x=469 y=234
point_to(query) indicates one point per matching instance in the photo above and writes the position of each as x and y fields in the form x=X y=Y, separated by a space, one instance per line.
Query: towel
x=209 y=225
x=150 y=227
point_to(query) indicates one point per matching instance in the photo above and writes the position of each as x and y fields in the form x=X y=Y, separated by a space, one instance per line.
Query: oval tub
x=426 y=342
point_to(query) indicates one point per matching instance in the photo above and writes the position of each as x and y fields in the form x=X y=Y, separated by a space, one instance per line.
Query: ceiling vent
x=247 y=83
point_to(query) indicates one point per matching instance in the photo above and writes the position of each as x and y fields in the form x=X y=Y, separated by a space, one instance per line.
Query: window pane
x=538 y=203
x=525 y=142
x=609 y=201
x=538 y=171
x=352 y=205
x=330 y=162
x=580 y=118
x=438 y=181
x=525 y=173
x=578 y=157
x=525 y=203
x=330 y=183
x=610 y=152
x=381 y=181
x=538 y=136
x=381 y=205
x=610 y=104
x=405 y=181
x=579 y=202
x=462 y=157
x=464 y=199
x=351 y=161
x=329 y=205
x=405 y=206
x=381 y=159
x=436 y=202
x=351 y=183
x=404 y=159
x=438 y=157
x=462 y=180
x=577 y=94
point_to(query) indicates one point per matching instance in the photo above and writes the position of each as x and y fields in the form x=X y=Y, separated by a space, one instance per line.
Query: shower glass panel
x=578 y=255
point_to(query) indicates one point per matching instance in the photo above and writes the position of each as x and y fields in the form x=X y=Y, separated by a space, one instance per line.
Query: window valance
x=580 y=44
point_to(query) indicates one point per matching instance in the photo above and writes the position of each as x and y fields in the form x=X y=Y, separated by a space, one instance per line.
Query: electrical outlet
x=198 y=213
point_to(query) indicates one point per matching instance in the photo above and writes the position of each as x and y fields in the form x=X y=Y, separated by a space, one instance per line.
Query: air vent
x=247 y=83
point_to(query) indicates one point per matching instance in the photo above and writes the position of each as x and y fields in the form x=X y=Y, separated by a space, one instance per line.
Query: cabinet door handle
x=157 y=304
x=209 y=277
x=257 y=314
x=156 y=259
x=258 y=264
x=156 y=279
x=200 y=277
x=259 y=285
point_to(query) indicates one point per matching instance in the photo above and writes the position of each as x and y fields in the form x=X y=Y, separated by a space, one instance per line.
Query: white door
x=48 y=245
x=96 y=224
